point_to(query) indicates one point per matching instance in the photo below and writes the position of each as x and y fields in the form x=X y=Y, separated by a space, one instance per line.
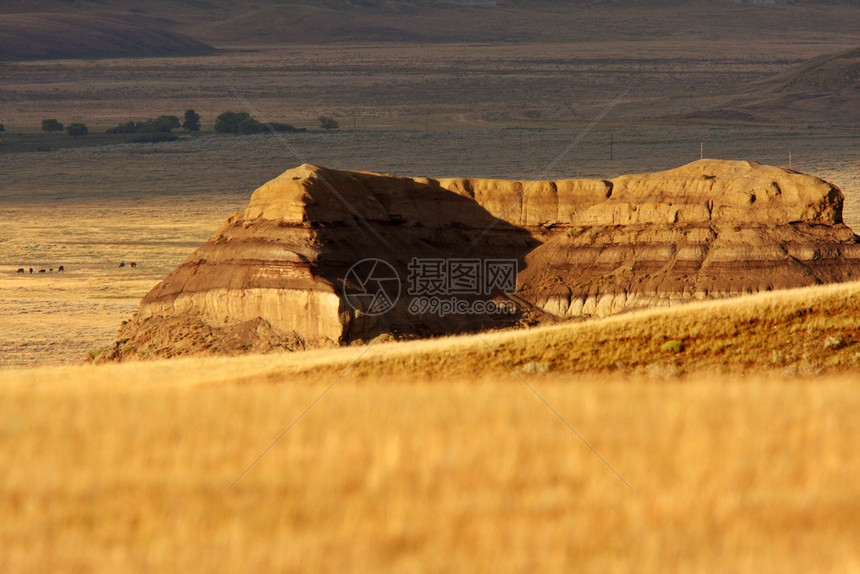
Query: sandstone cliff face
x=584 y=247
x=708 y=229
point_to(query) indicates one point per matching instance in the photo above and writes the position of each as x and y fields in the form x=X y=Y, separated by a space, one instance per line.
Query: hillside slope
x=240 y=465
x=268 y=22
x=796 y=332
x=32 y=36
x=824 y=90
x=516 y=21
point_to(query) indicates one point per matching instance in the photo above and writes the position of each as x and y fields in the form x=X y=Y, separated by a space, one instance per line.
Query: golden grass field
x=60 y=317
x=432 y=456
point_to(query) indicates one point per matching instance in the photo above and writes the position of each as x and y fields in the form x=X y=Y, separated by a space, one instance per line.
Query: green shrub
x=77 y=130
x=229 y=122
x=328 y=123
x=161 y=124
x=251 y=126
x=164 y=124
x=279 y=127
x=672 y=346
x=128 y=127
x=51 y=125
x=243 y=123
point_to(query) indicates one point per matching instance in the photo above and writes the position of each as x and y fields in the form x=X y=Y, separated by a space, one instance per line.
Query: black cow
x=134 y=263
x=42 y=271
x=61 y=268
x=31 y=270
x=121 y=265
x=21 y=271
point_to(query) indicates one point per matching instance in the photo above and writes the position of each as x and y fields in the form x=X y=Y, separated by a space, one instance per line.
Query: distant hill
x=826 y=88
x=511 y=21
x=31 y=36
x=831 y=74
x=169 y=25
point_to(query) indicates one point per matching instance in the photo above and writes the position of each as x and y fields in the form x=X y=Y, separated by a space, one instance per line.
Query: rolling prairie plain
x=433 y=456
x=737 y=454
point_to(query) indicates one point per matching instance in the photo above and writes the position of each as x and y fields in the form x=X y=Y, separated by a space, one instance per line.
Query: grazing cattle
x=31 y=270
x=21 y=270
x=61 y=269
x=52 y=270
x=42 y=271
x=121 y=265
x=134 y=263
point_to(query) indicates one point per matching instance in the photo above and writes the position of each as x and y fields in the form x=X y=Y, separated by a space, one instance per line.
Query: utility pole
x=789 y=159
x=701 y=150
x=610 y=146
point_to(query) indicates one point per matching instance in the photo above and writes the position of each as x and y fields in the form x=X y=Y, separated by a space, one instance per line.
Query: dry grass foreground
x=423 y=458
x=798 y=332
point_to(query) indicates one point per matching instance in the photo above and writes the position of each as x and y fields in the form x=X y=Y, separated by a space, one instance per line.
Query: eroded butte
x=274 y=275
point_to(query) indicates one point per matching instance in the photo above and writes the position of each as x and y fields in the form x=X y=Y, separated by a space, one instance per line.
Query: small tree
x=161 y=124
x=2 y=128
x=328 y=123
x=191 y=122
x=251 y=126
x=228 y=122
x=51 y=126
x=77 y=130
x=129 y=127
x=238 y=123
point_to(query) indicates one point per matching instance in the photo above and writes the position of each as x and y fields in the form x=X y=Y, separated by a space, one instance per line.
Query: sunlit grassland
x=60 y=317
x=432 y=456
x=126 y=468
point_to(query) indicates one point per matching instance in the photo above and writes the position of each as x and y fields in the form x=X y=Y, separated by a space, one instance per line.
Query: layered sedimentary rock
x=708 y=229
x=712 y=228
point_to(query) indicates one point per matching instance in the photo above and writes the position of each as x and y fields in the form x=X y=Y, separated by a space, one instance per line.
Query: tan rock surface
x=712 y=228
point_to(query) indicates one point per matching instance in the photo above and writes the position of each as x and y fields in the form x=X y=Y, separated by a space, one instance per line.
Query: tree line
x=157 y=128
x=75 y=130
x=161 y=124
